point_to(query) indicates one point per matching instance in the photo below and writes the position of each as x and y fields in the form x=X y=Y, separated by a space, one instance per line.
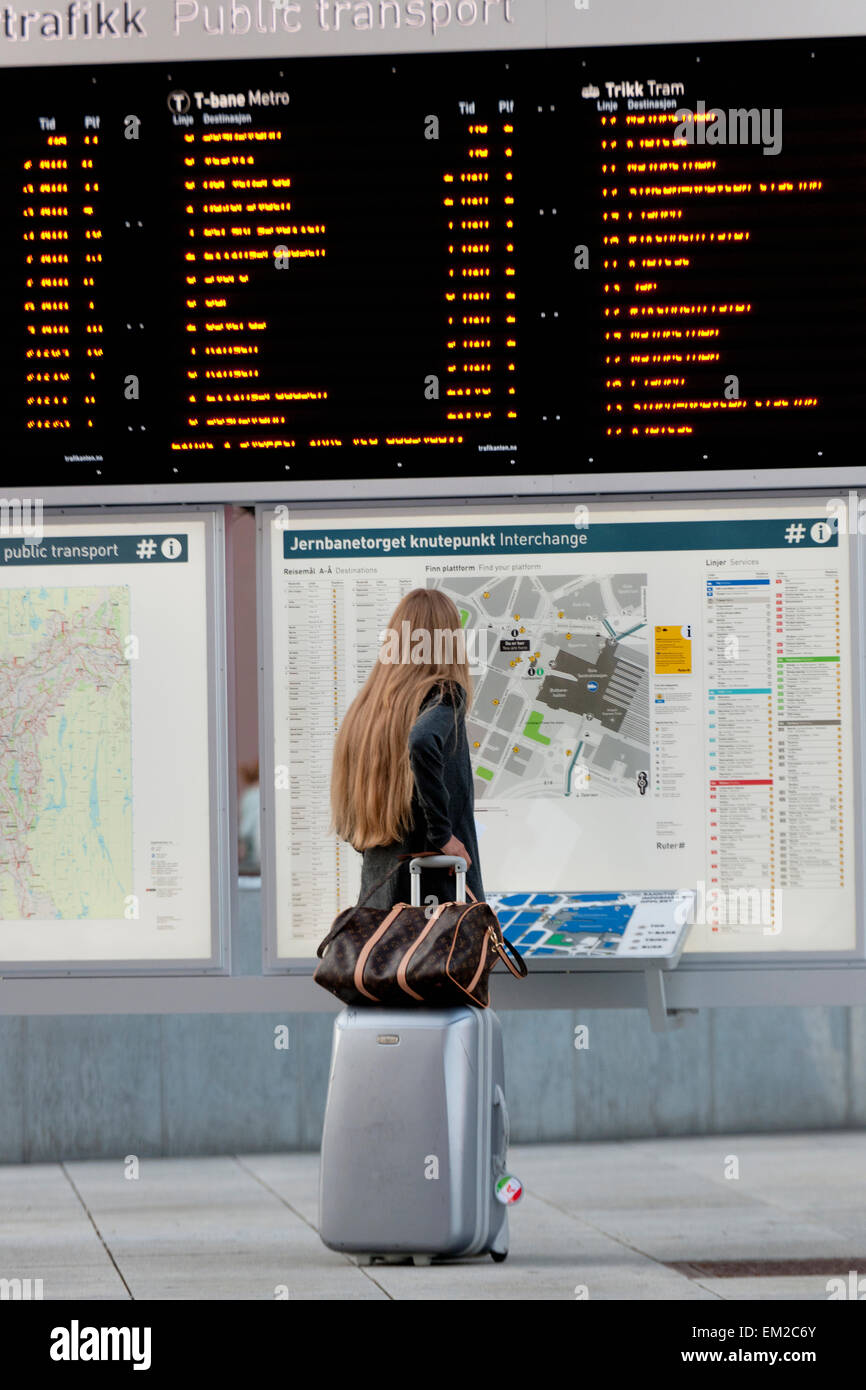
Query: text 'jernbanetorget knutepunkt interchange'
x=409 y=540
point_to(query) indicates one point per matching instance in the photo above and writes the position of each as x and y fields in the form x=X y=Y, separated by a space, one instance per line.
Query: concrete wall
x=208 y=1084
x=203 y=1084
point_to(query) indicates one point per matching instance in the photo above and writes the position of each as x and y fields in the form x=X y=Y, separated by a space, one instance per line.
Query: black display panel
x=450 y=265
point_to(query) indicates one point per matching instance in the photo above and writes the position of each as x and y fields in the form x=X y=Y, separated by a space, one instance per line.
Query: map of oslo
x=562 y=704
x=65 y=753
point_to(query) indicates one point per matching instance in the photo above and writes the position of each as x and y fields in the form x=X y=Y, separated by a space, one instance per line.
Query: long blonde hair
x=371 y=781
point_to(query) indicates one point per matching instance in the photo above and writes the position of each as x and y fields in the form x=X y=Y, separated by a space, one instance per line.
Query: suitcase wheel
x=422 y=1259
x=498 y=1256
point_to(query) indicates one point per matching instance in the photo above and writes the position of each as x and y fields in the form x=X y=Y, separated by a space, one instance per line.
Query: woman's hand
x=455 y=846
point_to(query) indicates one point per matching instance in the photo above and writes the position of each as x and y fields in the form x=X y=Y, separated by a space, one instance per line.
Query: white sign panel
x=662 y=701
x=101 y=31
x=107 y=802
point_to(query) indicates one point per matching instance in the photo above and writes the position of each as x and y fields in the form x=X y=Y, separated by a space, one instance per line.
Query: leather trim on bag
x=451 y=952
x=367 y=948
x=404 y=964
x=477 y=976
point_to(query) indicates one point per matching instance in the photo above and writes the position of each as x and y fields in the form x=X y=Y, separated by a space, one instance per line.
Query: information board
x=664 y=699
x=112 y=743
x=628 y=259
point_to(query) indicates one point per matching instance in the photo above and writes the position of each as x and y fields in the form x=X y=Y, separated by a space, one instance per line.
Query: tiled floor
x=657 y=1219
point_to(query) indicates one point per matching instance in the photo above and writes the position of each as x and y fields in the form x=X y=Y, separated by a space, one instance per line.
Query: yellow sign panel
x=673 y=651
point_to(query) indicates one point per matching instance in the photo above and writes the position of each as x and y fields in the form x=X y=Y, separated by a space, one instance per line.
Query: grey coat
x=443 y=804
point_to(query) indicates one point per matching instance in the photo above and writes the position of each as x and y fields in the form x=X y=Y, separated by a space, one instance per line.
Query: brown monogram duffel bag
x=409 y=955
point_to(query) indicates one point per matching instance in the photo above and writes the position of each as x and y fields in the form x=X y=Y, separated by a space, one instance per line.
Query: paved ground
x=651 y=1220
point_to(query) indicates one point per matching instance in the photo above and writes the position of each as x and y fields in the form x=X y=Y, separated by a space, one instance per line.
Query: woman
x=402 y=780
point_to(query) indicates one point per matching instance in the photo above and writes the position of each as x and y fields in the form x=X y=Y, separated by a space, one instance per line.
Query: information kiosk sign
x=113 y=744
x=664 y=699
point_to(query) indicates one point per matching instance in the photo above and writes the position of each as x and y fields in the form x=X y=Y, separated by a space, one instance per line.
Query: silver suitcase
x=415 y=1137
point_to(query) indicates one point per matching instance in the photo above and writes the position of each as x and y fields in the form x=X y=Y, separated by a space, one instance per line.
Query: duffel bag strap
x=347 y=915
x=335 y=930
x=391 y=873
x=500 y=941
x=502 y=945
x=521 y=972
x=371 y=891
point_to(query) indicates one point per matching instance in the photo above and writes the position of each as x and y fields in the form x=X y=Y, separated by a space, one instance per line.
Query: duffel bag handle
x=335 y=931
x=502 y=944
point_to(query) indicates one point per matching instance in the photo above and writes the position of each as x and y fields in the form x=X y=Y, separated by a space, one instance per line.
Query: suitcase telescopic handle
x=438 y=861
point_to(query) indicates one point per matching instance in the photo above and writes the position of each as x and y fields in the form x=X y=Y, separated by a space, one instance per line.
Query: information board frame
x=221 y=772
x=732 y=961
x=707 y=482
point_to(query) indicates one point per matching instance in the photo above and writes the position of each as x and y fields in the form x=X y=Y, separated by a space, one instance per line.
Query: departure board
x=434 y=265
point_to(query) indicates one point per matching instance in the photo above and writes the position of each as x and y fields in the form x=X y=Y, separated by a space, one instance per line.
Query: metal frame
x=501 y=485
x=696 y=983
x=721 y=983
x=221 y=776
x=264 y=623
x=685 y=989
x=690 y=963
